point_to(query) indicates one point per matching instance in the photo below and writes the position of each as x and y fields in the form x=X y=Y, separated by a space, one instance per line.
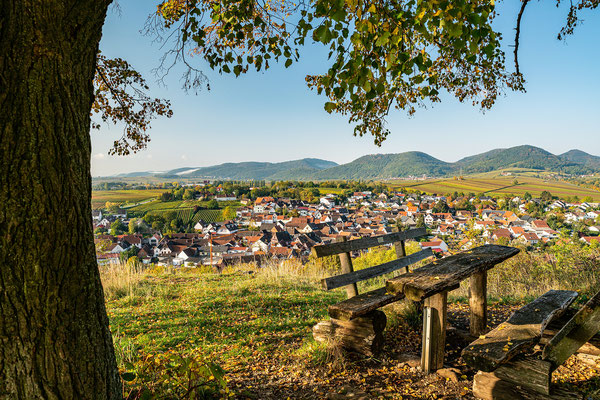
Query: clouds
x=99 y=156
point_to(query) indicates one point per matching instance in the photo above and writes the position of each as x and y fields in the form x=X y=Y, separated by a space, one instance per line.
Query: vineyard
x=122 y=197
x=498 y=186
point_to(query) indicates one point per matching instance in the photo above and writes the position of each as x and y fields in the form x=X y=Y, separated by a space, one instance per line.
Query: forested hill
x=416 y=163
x=388 y=166
x=382 y=166
x=288 y=170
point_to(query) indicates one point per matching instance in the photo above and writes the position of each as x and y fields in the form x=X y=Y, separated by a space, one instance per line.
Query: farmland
x=497 y=185
x=124 y=197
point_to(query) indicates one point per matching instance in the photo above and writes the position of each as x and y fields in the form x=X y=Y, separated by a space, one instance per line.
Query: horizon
x=274 y=117
x=338 y=163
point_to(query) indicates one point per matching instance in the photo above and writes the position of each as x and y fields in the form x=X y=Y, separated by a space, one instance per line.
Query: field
x=100 y=197
x=257 y=327
x=497 y=185
x=328 y=190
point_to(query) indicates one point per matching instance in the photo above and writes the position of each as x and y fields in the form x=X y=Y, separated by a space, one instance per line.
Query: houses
x=283 y=228
x=436 y=245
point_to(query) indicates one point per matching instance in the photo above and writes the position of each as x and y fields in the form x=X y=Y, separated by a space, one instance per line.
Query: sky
x=273 y=116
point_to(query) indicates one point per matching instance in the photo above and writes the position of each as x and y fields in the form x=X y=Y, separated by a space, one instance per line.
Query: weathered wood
x=372 y=272
x=346 y=264
x=434 y=332
x=592 y=347
x=519 y=333
x=366 y=242
x=531 y=374
x=487 y=386
x=400 y=249
x=441 y=274
x=478 y=303
x=363 y=335
x=362 y=304
x=581 y=328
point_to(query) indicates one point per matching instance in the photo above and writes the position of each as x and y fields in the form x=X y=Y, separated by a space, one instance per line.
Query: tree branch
x=517 y=35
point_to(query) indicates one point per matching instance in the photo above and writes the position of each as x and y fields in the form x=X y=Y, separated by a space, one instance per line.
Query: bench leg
x=478 y=303
x=434 y=332
x=363 y=335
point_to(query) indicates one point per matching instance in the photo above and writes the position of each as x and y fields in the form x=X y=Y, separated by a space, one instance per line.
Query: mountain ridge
x=392 y=165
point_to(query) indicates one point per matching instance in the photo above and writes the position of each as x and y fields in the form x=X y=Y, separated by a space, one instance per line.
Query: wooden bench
x=432 y=283
x=506 y=373
x=356 y=322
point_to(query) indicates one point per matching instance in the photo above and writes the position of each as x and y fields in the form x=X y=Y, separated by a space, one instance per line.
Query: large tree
x=54 y=336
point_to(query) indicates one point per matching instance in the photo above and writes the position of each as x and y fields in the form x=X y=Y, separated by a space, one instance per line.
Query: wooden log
x=372 y=272
x=441 y=274
x=478 y=303
x=487 y=386
x=363 y=335
x=581 y=328
x=520 y=333
x=346 y=264
x=366 y=242
x=434 y=332
x=531 y=374
x=363 y=304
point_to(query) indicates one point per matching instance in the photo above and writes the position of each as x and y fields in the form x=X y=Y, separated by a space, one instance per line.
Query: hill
x=297 y=169
x=389 y=166
x=516 y=157
x=581 y=157
x=385 y=166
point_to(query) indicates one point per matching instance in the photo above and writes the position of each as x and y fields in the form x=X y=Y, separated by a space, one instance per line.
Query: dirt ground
x=392 y=375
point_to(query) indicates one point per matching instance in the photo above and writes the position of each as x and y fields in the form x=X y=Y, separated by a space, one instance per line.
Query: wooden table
x=431 y=285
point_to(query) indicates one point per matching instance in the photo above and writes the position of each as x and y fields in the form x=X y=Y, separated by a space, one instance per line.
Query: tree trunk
x=55 y=342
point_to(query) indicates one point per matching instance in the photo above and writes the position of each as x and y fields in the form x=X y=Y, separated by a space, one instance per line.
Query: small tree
x=117 y=228
x=212 y=205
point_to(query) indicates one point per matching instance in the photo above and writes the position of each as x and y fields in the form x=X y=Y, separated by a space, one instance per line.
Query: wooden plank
x=519 y=333
x=487 y=386
x=434 y=332
x=581 y=328
x=362 y=304
x=366 y=242
x=531 y=374
x=337 y=281
x=346 y=264
x=478 y=303
x=592 y=347
x=441 y=274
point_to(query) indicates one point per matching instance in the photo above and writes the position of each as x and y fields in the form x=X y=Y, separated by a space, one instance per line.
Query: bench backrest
x=349 y=277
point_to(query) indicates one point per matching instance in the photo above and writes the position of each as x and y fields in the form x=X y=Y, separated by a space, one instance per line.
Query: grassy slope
x=257 y=326
x=100 y=197
x=495 y=184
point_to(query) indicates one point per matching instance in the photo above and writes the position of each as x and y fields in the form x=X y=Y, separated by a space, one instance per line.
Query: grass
x=496 y=185
x=100 y=197
x=248 y=316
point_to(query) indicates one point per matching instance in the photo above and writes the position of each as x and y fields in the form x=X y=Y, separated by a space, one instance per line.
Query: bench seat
x=363 y=304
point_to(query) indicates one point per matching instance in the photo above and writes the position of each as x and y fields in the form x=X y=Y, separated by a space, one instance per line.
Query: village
x=283 y=228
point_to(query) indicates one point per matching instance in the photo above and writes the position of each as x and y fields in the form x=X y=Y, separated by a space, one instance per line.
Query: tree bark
x=55 y=342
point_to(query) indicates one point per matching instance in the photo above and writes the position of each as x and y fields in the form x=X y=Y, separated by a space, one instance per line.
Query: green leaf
x=128 y=376
x=288 y=62
x=329 y=107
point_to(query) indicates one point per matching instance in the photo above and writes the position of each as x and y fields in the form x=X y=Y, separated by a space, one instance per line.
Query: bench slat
x=366 y=242
x=442 y=274
x=362 y=304
x=581 y=328
x=337 y=281
x=519 y=333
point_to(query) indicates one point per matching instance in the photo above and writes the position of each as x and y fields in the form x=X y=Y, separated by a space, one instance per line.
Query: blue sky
x=274 y=117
